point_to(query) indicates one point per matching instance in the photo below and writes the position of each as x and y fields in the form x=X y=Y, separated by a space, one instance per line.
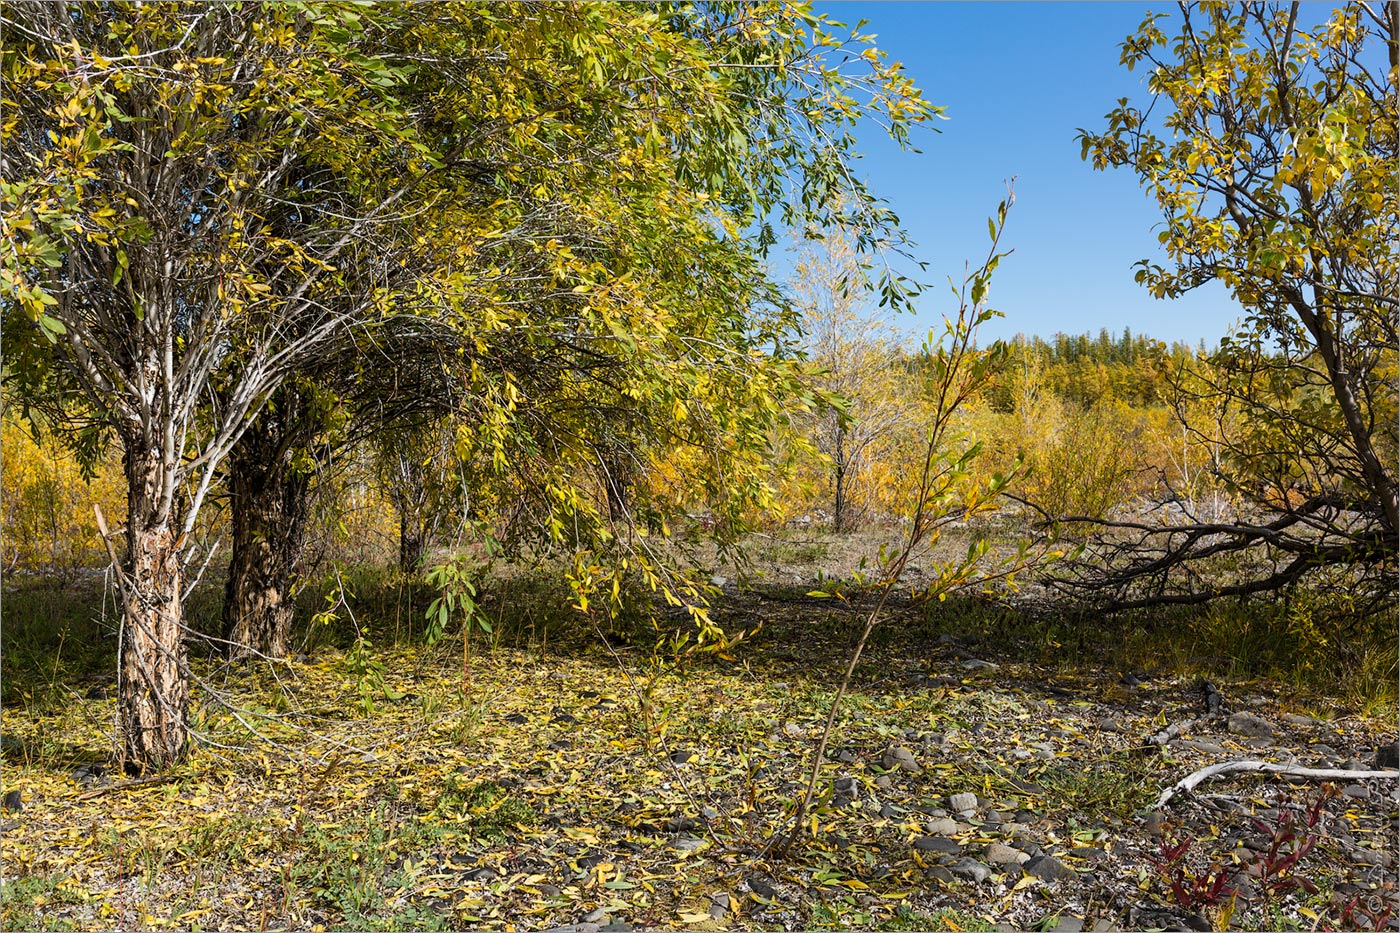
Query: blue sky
x=1017 y=80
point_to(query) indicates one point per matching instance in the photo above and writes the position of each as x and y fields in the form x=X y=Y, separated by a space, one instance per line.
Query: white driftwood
x=1170 y=732
x=1231 y=767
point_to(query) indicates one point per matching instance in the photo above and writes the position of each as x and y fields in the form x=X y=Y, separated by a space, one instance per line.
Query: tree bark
x=412 y=540
x=153 y=695
x=270 y=501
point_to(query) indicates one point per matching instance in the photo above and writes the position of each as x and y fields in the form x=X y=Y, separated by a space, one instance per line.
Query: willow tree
x=1271 y=146
x=200 y=202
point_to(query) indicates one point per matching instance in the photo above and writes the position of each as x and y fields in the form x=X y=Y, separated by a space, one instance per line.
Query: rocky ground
x=587 y=788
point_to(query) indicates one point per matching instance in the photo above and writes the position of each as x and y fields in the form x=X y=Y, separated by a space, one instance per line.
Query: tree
x=1274 y=165
x=857 y=354
x=200 y=202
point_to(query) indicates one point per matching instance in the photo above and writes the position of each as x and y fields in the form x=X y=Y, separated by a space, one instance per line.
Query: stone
x=1387 y=757
x=760 y=885
x=901 y=758
x=971 y=869
x=962 y=803
x=793 y=730
x=1371 y=857
x=1105 y=925
x=883 y=782
x=939 y=873
x=1089 y=853
x=937 y=844
x=1294 y=719
x=550 y=890
x=1049 y=868
x=976 y=664
x=1110 y=725
x=1204 y=747
x=1068 y=924
x=682 y=756
x=1357 y=791
x=943 y=827
x=597 y=916
x=722 y=900
x=680 y=824
x=1155 y=824
x=1248 y=724
x=617 y=926
x=13 y=801
x=688 y=843
x=846 y=756
x=1001 y=854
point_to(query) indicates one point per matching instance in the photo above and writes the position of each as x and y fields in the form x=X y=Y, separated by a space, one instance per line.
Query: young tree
x=857 y=353
x=1271 y=147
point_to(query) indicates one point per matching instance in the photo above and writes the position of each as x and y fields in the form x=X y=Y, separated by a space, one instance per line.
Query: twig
x=1232 y=767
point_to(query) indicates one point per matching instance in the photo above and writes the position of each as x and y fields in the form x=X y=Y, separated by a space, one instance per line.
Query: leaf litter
x=556 y=794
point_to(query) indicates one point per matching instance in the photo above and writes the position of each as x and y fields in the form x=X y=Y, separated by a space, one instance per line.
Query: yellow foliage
x=46 y=504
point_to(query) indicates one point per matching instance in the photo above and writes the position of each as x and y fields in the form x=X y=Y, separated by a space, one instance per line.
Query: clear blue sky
x=1017 y=80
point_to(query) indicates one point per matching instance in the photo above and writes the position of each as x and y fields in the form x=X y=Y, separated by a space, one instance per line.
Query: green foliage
x=488 y=808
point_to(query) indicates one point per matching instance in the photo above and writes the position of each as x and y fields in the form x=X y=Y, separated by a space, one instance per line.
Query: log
x=1232 y=767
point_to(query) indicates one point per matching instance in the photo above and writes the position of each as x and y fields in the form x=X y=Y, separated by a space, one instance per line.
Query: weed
x=490 y=808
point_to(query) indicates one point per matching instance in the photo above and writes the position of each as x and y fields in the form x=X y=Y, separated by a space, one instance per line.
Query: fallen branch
x=124 y=785
x=1231 y=767
x=1169 y=733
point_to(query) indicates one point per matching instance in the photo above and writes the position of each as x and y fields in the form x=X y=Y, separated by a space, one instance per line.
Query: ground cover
x=974 y=781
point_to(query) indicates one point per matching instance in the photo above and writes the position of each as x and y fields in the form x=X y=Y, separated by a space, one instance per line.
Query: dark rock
x=481 y=874
x=846 y=756
x=846 y=786
x=939 y=873
x=682 y=757
x=1388 y=757
x=937 y=844
x=901 y=758
x=1129 y=679
x=617 y=926
x=1089 y=853
x=1357 y=791
x=589 y=694
x=1049 y=868
x=971 y=869
x=1248 y=724
x=518 y=719
x=888 y=812
x=761 y=885
x=564 y=718
x=13 y=801
x=680 y=824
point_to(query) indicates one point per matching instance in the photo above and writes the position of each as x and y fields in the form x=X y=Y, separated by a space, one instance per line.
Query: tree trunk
x=840 y=519
x=270 y=500
x=412 y=540
x=153 y=695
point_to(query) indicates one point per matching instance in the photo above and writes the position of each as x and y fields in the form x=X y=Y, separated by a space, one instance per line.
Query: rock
x=1002 y=854
x=1354 y=764
x=939 y=873
x=597 y=916
x=1105 y=926
x=1248 y=724
x=793 y=731
x=901 y=758
x=1357 y=791
x=888 y=812
x=1206 y=748
x=937 y=844
x=717 y=912
x=89 y=774
x=992 y=818
x=617 y=926
x=846 y=756
x=760 y=884
x=943 y=827
x=682 y=756
x=1294 y=719
x=1325 y=751
x=1089 y=853
x=13 y=801
x=722 y=901
x=971 y=869
x=517 y=719
x=680 y=824
x=1068 y=924
x=883 y=782
x=1049 y=868
x=1371 y=857
x=1387 y=757
x=549 y=890
x=962 y=803
x=688 y=844
x=975 y=664
x=1211 y=695
x=1110 y=725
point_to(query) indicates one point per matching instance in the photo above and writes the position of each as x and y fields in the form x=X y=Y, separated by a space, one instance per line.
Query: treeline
x=1084 y=369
